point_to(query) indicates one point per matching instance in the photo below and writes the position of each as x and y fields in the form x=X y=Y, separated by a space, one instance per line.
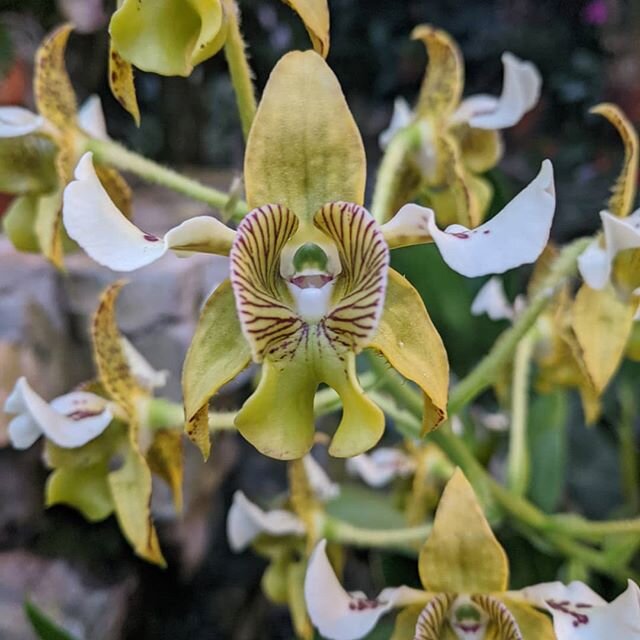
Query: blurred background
x=587 y=51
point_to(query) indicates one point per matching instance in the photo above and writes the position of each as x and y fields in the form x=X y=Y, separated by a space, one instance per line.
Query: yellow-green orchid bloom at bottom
x=310 y=284
x=464 y=572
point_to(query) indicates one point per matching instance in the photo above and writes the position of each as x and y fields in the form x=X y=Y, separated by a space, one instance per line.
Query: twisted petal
x=168 y=37
x=339 y=615
x=315 y=15
x=91 y=118
x=95 y=223
x=55 y=98
x=492 y=300
x=17 y=121
x=381 y=466
x=462 y=554
x=516 y=235
x=69 y=421
x=246 y=521
x=520 y=93
x=122 y=85
x=407 y=338
x=444 y=80
x=580 y=614
x=304 y=148
x=624 y=191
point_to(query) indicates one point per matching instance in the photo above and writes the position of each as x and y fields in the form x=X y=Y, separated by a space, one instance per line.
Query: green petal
x=27 y=164
x=410 y=342
x=462 y=555
x=624 y=191
x=304 y=149
x=83 y=488
x=315 y=15
x=444 y=80
x=278 y=418
x=19 y=223
x=168 y=37
x=218 y=352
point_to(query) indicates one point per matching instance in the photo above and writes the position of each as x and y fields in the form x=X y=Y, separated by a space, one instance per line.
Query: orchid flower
x=98 y=441
x=310 y=284
x=464 y=572
x=457 y=140
x=381 y=466
x=173 y=36
x=39 y=151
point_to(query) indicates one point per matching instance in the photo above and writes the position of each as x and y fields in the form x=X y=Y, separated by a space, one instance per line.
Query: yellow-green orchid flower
x=171 y=37
x=457 y=140
x=97 y=440
x=310 y=282
x=39 y=151
x=464 y=572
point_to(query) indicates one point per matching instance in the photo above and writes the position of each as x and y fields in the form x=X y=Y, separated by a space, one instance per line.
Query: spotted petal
x=340 y=615
x=580 y=614
x=246 y=521
x=520 y=93
x=69 y=421
x=55 y=98
x=168 y=37
x=444 y=80
x=17 y=121
x=95 y=223
x=516 y=235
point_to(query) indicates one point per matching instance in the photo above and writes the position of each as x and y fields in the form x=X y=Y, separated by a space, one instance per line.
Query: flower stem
x=518 y=459
x=114 y=154
x=403 y=538
x=628 y=447
x=235 y=50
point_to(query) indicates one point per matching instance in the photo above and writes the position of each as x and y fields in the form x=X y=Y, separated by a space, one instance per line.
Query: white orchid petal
x=23 y=431
x=515 y=236
x=91 y=118
x=492 y=300
x=520 y=93
x=410 y=225
x=145 y=374
x=581 y=614
x=202 y=233
x=70 y=421
x=380 y=467
x=339 y=615
x=401 y=118
x=620 y=233
x=594 y=265
x=17 y=121
x=246 y=521
x=322 y=486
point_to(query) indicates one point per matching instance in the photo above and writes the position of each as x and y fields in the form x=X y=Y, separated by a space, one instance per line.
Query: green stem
x=235 y=50
x=390 y=174
x=114 y=154
x=345 y=533
x=484 y=374
x=628 y=447
x=518 y=459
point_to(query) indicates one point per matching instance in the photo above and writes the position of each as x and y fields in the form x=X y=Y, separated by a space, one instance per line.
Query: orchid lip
x=311 y=281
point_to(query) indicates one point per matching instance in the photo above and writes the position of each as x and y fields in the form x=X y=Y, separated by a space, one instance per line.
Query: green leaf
x=44 y=628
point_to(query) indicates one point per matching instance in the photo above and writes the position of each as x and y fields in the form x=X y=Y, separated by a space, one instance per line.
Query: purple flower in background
x=596 y=12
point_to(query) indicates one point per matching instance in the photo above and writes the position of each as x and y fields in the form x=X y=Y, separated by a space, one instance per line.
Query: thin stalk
x=114 y=154
x=518 y=471
x=235 y=50
x=628 y=447
x=345 y=533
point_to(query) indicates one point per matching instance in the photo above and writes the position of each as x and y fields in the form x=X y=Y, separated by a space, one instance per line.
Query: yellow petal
x=533 y=624
x=117 y=188
x=295 y=599
x=112 y=364
x=602 y=324
x=481 y=149
x=304 y=149
x=462 y=555
x=218 y=352
x=131 y=491
x=48 y=227
x=481 y=194
x=315 y=15
x=54 y=95
x=122 y=85
x=409 y=341
x=444 y=80
x=168 y=37
x=165 y=460
x=624 y=191
x=626 y=272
